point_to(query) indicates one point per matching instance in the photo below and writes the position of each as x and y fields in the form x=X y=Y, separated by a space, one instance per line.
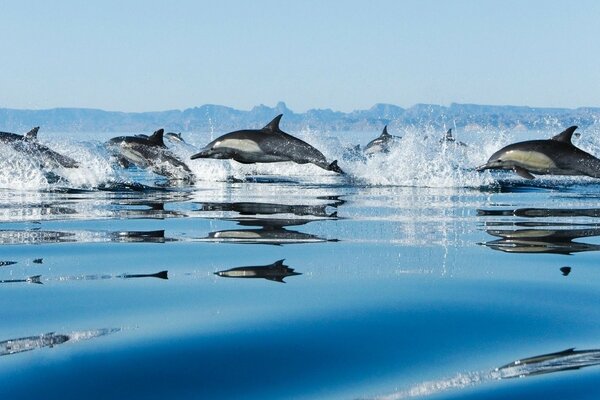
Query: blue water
x=416 y=276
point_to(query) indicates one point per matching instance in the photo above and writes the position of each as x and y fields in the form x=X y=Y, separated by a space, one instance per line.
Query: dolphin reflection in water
x=565 y=360
x=20 y=345
x=545 y=236
x=273 y=272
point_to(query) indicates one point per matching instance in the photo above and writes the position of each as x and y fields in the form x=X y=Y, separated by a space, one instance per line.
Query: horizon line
x=283 y=103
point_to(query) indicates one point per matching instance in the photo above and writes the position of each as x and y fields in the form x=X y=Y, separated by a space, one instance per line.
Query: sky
x=345 y=55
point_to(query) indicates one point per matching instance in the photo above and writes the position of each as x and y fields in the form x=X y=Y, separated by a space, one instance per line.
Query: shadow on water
x=20 y=345
x=555 y=236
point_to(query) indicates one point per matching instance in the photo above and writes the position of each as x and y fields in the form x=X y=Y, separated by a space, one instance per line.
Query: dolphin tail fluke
x=335 y=168
x=35 y=279
x=161 y=275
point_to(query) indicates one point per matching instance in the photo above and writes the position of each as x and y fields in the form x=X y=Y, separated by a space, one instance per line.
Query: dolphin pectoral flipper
x=566 y=135
x=523 y=173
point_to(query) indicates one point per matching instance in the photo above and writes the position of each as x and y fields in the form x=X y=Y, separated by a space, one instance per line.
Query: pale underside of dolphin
x=267 y=145
x=555 y=156
x=28 y=144
x=150 y=152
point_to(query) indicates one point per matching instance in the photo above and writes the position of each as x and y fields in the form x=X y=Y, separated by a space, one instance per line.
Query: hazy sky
x=157 y=55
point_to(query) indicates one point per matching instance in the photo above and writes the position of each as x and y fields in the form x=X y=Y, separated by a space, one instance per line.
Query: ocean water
x=412 y=276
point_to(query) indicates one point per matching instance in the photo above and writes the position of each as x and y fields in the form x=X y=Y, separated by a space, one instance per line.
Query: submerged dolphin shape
x=267 y=145
x=272 y=272
x=28 y=144
x=449 y=138
x=380 y=144
x=556 y=156
x=150 y=152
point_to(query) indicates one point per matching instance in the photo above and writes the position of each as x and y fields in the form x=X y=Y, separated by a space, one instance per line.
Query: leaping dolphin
x=556 y=156
x=267 y=145
x=151 y=153
x=380 y=144
x=28 y=144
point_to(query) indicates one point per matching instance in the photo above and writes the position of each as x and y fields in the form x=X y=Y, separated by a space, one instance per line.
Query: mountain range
x=219 y=118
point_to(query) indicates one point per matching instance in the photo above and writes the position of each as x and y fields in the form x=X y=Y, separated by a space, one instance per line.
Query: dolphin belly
x=133 y=155
x=531 y=160
x=239 y=145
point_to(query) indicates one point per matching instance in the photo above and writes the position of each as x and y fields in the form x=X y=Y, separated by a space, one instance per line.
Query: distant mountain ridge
x=218 y=118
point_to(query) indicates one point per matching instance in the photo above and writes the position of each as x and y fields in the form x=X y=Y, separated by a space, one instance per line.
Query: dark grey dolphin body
x=28 y=144
x=556 y=156
x=380 y=144
x=150 y=152
x=267 y=145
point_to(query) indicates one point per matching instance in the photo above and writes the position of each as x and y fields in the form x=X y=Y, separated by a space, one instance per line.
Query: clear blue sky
x=157 y=55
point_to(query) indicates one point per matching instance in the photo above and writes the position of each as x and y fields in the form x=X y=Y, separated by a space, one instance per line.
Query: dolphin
x=151 y=153
x=556 y=156
x=380 y=144
x=272 y=272
x=267 y=145
x=28 y=144
x=172 y=136
x=449 y=138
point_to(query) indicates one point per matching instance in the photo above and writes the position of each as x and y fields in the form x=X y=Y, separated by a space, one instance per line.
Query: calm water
x=415 y=276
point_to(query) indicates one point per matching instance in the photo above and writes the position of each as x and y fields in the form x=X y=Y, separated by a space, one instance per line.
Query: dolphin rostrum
x=28 y=144
x=150 y=152
x=267 y=145
x=555 y=156
x=380 y=144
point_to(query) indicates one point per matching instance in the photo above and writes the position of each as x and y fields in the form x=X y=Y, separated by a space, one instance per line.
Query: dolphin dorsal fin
x=157 y=138
x=385 y=132
x=273 y=126
x=449 y=134
x=279 y=263
x=566 y=135
x=32 y=134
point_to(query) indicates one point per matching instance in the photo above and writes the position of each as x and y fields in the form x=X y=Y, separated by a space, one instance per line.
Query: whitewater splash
x=420 y=159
